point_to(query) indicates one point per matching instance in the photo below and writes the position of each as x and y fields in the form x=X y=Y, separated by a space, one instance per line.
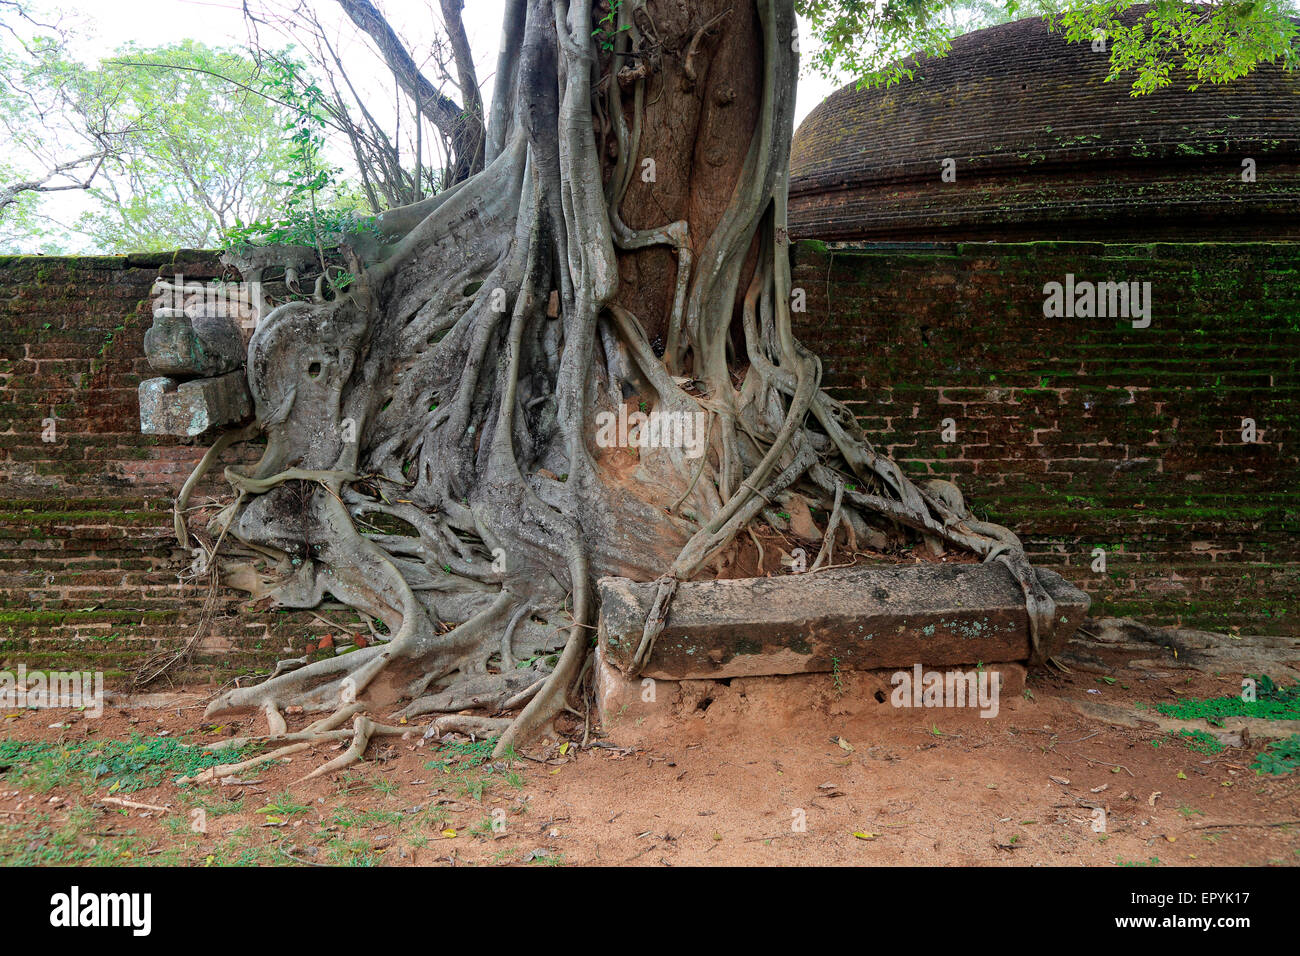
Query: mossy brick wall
x=1081 y=433
x=1077 y=433
x=88 y=564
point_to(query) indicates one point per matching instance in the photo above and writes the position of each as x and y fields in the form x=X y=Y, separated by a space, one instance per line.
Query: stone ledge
x=859 y=618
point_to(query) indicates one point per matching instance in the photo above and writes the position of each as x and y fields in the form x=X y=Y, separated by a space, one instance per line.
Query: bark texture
x=431 y=455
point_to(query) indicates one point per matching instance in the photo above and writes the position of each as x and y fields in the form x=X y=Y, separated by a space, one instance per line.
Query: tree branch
x=462 y=128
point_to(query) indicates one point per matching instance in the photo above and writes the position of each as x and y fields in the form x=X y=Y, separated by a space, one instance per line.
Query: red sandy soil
x=721 y=785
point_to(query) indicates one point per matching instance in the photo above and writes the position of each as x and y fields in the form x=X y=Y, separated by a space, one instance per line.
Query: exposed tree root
x=431 y=455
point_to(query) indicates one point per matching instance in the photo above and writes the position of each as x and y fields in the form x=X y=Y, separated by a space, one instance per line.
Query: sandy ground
x=810 y=774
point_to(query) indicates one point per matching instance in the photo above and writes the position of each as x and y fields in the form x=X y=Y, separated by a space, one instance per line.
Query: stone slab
x=630 y=707
x=205 y=344
x=191 y=408
x=859 y=618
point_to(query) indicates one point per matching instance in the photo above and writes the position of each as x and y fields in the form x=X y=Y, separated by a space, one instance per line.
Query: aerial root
x=363 y=728
x=493 y=692
x=274 y=720
x=826 y=554
x=469 y=725
x=314 y=733
x=551 y=698
x=655 y=620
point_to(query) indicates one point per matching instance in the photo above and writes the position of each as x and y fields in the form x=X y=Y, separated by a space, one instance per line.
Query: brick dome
x=1044 y=149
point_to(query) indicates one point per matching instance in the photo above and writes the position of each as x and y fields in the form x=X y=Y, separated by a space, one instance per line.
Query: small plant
x=285 y=805
x=472 y=787
x=607 y=29
x=1271 y=703
x=1282 y=756
x=1201 y=742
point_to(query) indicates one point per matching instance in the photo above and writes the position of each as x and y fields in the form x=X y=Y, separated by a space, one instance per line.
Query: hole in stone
x=880 y=696
x=703 y=705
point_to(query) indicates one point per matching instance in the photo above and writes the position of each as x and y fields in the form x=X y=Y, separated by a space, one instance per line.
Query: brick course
x=1082 y=433
x=1077 y=433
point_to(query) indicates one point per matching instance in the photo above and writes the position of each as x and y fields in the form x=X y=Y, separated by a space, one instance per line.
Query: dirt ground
x=724 y=784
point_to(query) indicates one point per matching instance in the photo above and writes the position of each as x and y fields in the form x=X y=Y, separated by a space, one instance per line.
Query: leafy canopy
x=1169 y=41
x=194 y=144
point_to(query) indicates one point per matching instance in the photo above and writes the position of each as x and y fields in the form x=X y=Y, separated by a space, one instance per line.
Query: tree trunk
x=625 y=247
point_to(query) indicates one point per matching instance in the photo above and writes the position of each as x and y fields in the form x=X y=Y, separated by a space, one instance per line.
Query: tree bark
x=624 y=250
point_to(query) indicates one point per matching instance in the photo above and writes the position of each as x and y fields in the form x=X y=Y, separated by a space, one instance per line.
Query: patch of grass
x=434 y=818
x=348 y=818
x=217 y=808
x=463 y=755
x=39 y=841
x=241 y=848
x=1200 y=742
x=1271 y=703
x=1282 y=756
x=351 y=853
x=122 y=765
x=285 y=805
x=547 y=859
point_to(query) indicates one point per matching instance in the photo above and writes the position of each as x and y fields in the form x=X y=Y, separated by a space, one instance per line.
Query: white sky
x=216 y=22
x=100 y=26
x=221 y=22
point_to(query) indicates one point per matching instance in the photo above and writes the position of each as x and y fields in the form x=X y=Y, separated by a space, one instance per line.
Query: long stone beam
x=858 y=618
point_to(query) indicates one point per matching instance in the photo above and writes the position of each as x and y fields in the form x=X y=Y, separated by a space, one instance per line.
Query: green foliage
x=1173 y=41
x=193 y=145
x=607 y=30
x=1201 y=742
x=1282 y=756
x=36 y=840
x=307 y=174
x=1272 y=703
x=205 y=152
x=868 y=39
x=463 y=755
x=121 y=765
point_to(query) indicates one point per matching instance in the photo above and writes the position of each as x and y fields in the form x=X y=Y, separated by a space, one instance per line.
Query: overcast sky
x=100 y=26
x=152 y=22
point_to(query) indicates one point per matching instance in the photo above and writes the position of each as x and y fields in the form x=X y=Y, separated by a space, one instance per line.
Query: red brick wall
x=1082 y=433
x=88 y=562
x=1077 y=434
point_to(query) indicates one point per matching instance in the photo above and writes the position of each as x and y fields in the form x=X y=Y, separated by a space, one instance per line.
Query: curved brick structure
x=1045 y=149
